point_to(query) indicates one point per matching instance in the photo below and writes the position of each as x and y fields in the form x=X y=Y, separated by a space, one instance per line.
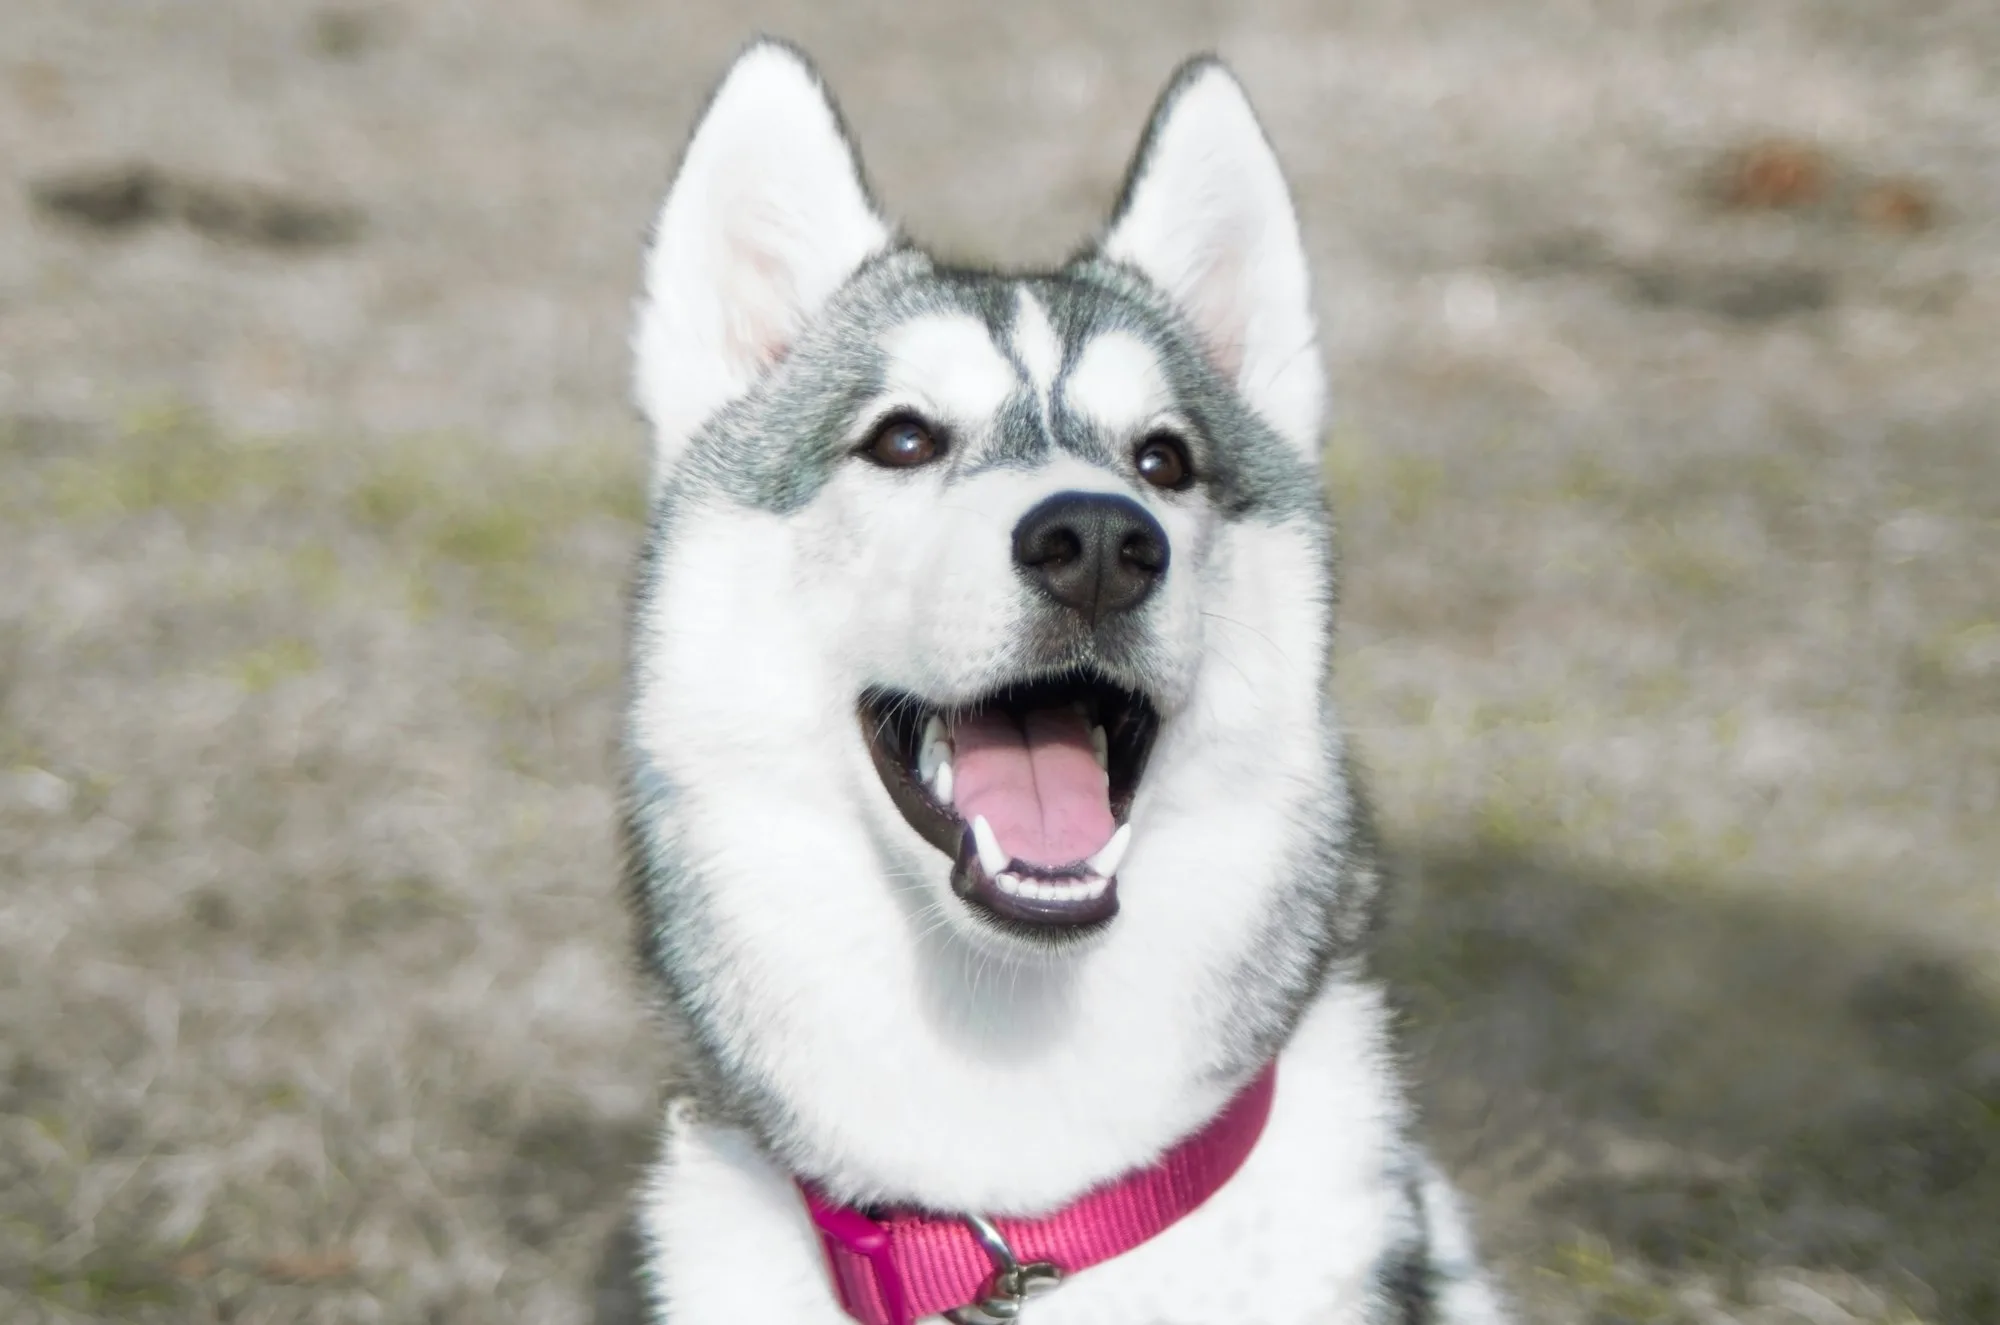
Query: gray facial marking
x=1020 y=441
x=775 y=448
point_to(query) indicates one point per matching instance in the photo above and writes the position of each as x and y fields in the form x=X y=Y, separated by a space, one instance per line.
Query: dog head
x=1028 y=576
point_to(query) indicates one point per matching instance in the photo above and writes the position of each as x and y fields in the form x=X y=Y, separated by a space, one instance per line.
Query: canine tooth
x=1112 y=854
x=933 y=750
x=940 y=783
x=991 y=858
x=1100 y=745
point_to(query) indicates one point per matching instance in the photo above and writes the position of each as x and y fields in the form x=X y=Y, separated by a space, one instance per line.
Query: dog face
x=1013 y=588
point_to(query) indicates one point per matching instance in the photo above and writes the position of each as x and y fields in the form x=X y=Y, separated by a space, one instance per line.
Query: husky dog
x=988 y=822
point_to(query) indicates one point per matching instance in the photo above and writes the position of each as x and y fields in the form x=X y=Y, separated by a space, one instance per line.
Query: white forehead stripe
x=1117 y=383
x=948 y=363
x=1036 y=345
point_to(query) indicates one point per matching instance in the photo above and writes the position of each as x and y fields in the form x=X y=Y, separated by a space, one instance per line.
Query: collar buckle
x=1013 y=1284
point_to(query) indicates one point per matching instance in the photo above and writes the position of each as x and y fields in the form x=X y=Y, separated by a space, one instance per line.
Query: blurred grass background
x=1670 y=496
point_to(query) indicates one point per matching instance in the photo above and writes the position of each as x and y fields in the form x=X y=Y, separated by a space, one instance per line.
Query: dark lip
x=1025 y=917
x=892 y=724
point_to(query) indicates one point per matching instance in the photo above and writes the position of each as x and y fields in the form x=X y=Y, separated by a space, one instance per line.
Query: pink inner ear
x=763 y=305
x=1215 y=300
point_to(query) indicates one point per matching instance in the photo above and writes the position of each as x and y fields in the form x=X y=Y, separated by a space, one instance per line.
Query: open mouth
x=1026 y=789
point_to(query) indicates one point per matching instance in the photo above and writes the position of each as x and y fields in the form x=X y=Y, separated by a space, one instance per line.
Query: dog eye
x=902 y=443
x=1163 y=462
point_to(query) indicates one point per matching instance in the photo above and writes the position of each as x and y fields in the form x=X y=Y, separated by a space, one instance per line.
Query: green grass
x=1589 y=1271
x=1358 y=476
x=428 y=520
x=459 y=522
x=106 y=1286
x=280 y=660
x=163 y=457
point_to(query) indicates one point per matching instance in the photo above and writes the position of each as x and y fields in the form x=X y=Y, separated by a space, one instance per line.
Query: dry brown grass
x=1671 y=626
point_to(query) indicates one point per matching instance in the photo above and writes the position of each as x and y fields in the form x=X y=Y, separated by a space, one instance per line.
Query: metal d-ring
x=1013 y=1283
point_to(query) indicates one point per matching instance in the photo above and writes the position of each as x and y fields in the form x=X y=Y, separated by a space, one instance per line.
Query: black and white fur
x=836 y=1010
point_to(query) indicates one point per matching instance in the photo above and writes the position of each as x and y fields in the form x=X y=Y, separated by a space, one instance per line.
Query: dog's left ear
x=1205 y=215
x=766 y=219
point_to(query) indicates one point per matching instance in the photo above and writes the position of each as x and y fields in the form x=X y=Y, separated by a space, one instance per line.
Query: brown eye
x=902 y=443
x=1163 y=462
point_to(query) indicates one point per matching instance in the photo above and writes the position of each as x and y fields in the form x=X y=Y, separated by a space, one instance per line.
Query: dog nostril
x=1144 y=551
x=1057 y=547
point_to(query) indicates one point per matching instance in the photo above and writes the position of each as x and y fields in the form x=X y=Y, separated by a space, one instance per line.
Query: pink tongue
x=1040 y=788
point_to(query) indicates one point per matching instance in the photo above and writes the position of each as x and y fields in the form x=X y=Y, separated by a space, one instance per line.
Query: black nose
x=1093 y=552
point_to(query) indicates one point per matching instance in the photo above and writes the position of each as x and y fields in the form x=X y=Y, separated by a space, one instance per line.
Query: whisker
x=1241 y=625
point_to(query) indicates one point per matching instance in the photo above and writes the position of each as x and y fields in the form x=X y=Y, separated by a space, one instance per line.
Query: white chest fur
x=1294 y=1238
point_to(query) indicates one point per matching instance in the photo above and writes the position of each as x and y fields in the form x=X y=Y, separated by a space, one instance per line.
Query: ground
x=1671 y=509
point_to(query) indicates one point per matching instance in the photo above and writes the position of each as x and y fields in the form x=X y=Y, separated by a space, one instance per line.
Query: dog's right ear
x=766 y=219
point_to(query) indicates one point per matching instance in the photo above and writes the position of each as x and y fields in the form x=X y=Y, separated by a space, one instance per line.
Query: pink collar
x=901 y=1266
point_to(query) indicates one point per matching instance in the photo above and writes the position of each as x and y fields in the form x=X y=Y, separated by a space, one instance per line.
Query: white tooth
x=1073 y=892
x=991 y=858
x=1045 y=892
x=940 y=781
x=933 y=750
x=1100 y=745
x=1112 y=853
x=1008 y=884
x=1096 y=888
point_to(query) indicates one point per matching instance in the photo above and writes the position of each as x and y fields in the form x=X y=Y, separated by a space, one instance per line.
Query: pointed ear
x=766 y=219
x=1206 y=217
